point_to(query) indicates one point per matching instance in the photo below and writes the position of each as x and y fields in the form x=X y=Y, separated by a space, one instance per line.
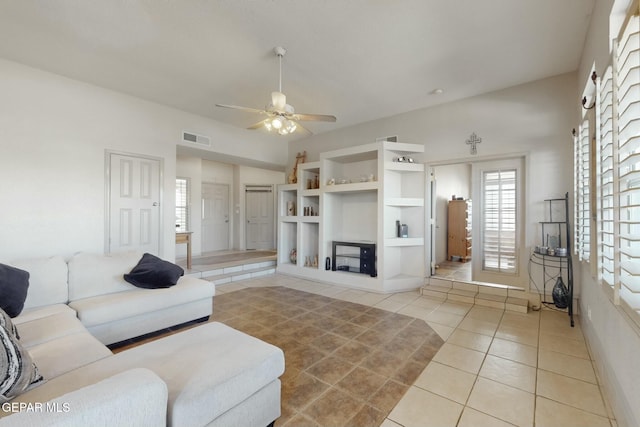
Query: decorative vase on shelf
x=293 y=256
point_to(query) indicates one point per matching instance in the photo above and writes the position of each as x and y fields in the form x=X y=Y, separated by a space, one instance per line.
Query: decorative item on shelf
x=300 y=158
x=327 y=263
x=398 y=229
x=315 y=261
x=307 y=262
x=293 y=256
x=403 y=159
x=291 y=208
x=561 y=251
x=316 y=182
x=371 y=178
x=331 y=181
x=404 y=231
x=309 y=184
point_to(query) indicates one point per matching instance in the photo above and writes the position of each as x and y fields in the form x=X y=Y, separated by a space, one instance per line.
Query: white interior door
x=260 y=217
x=215 y=217
x=134 y=204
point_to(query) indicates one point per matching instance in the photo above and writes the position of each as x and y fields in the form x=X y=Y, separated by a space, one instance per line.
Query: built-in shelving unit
x=362 y=192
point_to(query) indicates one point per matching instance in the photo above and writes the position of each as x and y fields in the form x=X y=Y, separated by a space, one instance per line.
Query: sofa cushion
x=218 y=369
x=92 y=275
x=14 y=284
x=111 y=307
x=29 y=314
x=17 y=370
x=152 y=272
x=47 y=281
x=5 y=322
x=67 y=353
x=136 y=397
x=48 y=328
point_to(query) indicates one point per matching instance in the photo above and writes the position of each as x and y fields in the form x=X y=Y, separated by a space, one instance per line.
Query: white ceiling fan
x=282 y=118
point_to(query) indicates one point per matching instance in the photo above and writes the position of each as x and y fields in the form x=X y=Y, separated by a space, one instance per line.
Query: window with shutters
x=182 y=204
x=499 y=227
x=582 y=233
x=617 y=154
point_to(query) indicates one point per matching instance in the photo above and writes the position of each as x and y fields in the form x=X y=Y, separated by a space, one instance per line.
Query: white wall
x=533 y=119
x=613 y=339
x=53 y=135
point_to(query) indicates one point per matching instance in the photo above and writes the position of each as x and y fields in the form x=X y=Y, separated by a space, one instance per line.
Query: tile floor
x=495 y=368
x=338 y=354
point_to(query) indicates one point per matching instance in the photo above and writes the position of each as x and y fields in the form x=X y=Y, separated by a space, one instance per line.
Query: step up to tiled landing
x=234 y=273
x=489 y=295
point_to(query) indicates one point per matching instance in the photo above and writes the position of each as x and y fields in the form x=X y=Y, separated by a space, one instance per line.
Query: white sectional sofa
x=209 y=375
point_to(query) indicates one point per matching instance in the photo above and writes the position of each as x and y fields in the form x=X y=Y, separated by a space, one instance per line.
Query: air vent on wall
x=193 y=138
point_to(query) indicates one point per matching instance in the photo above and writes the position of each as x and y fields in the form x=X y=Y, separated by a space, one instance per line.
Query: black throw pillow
x=13 y=289
x=152 y=272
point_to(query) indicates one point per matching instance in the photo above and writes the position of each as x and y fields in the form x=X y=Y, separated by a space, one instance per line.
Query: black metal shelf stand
x=553 y=265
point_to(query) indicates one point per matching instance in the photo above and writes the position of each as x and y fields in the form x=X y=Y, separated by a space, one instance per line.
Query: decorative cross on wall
x=472 y=141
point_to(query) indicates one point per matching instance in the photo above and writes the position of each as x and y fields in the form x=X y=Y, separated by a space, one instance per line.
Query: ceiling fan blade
x=303 y=129
x=245 y=109
x=313 y=117
x=257 y=125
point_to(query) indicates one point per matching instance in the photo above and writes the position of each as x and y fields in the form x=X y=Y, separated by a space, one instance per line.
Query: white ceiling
x=360 y=60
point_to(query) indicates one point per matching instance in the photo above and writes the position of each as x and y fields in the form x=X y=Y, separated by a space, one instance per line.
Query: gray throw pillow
x=5 y=322
x=13 y=289
x=17 y=370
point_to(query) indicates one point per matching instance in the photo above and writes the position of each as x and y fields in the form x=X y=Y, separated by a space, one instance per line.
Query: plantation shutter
x=499 y=220
x=628 y=90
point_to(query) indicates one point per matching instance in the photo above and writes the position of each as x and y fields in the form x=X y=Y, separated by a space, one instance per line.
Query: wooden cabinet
x=459 y=230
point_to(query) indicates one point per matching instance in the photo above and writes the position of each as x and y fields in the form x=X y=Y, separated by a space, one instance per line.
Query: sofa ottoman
x=215 y=375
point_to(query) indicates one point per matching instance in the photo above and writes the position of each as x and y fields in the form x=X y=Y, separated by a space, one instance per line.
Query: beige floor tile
x=478 y=326
x=572 y=392
x=509 y=372
x=458 y=308
x=485 y=313
x=443 y=331
x=459 y=357
x=420 y=408
x=502 y=401
x=472 y=418
x=388 y=305
x=519 y=335
x=514 y=351
x=553 y=414
x=444 y=318
x=470 y=340
x=388 y=423
x=415 y=311
x=405 y=297
x=564 y=345
x=529 y=320
x=446 y=381
x=426 y=302
x=564 y=364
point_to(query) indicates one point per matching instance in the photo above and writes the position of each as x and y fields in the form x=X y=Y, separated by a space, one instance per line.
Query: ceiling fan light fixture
x=276 y=123
x=278 y=100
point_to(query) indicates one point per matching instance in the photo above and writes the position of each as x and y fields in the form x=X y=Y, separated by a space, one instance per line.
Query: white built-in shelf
x=289 y=218
x=352 y=187
x=404 y=241
x=404 y=167
x=312 y=192
x=404 y=202
x=309 y=218
x=403 y=147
